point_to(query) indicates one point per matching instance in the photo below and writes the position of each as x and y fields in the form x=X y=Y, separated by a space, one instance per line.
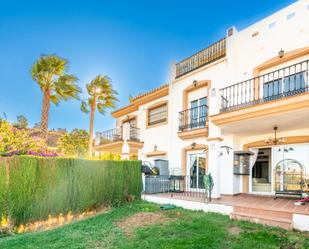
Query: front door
x=196 y=169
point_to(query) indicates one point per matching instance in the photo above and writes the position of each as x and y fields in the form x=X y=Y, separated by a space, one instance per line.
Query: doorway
x=261 y=171
x=196 y=169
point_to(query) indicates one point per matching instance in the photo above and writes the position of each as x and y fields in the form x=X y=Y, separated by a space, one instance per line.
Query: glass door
x=194 y=114
x=198 y=113
x=196 y=170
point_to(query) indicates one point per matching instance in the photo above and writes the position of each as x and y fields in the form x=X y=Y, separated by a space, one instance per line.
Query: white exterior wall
x=177 y=105
x=244 y=53
x=151 y=136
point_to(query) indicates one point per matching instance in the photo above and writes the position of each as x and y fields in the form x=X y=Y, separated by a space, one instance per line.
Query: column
x=214 y=167
x=125 y=152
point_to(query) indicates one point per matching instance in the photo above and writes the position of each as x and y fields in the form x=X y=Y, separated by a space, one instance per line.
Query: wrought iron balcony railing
x=134 y=134
x=284 y=82
x=116 y=134
x=110 y=136
x=193 y=118
x=201 y=58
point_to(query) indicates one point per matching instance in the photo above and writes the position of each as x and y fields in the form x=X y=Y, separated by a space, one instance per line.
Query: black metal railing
x=201 y=58
x=181 y=186
x=193 y=118
x=110 y=136
x=134 y=134
x=284 y=82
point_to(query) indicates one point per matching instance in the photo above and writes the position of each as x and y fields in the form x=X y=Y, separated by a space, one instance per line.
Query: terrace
x=282 y=83
x=113 y=140
x=206 y=56
x=189 y=192
x=275 y=94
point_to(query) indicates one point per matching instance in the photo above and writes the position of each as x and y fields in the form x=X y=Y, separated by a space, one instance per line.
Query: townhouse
x=238 y=109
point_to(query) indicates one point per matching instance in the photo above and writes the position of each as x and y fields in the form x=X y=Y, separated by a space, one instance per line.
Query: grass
x=179 y=229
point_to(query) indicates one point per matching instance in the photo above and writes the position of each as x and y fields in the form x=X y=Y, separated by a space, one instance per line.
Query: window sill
x=156 y=125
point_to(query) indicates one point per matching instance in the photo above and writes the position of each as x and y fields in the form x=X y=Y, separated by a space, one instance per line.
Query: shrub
x=13 y=139
x=39 y=187
x=74 y=143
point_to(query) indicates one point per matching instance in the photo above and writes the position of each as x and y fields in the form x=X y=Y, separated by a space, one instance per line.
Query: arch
x=288 y=140
x=128 y=118
x=194 y=86
x=277 y=60
x=262 y=143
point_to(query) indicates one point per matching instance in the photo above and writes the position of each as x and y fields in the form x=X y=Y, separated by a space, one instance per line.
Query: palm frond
x=84 y=107
x=101 y=108
x=55 y=99
x=101 y=90
x=46 y=69
x=66 y=88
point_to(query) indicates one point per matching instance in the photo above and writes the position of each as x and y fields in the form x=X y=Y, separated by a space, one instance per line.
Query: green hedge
x=38 y=187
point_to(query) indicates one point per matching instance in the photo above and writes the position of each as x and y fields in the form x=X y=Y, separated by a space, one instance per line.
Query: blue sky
x=133 y=42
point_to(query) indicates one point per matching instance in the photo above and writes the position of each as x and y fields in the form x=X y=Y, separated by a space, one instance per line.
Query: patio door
x=196 y=169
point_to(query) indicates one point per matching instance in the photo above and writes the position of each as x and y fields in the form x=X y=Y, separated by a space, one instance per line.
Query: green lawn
x=177 y=228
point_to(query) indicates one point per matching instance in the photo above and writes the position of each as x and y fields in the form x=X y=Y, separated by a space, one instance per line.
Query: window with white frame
x=198 y=112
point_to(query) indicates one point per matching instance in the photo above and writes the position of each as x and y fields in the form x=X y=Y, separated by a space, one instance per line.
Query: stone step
x=263 y=219
x=255 y=211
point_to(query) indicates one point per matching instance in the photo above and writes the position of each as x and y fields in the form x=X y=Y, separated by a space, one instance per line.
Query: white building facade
x=218 y=112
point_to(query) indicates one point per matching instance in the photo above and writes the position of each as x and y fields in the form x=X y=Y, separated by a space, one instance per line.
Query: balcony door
x=198 y=113
x=196 y=169
x=285 y=86
x=132 y=122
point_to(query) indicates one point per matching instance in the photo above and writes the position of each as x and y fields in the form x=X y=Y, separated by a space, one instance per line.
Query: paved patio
x=282 y=204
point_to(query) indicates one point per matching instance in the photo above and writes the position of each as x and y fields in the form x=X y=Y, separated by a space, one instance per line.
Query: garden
x=145 y=225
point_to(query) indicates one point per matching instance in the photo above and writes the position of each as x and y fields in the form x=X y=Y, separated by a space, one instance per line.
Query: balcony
x=116 y=134
x=273 y=95
x=193 y=122
x=110 y=136
x=124 y=140
x=206 y=56
x=279 y=84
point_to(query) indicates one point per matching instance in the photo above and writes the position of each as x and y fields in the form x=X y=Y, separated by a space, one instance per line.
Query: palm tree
x=102 y=96
x=50 y=72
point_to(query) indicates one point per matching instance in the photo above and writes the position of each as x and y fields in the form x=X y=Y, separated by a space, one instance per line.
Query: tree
x=102 y=96
x=12 y=139
x=21 y=123
x=74 y=143
x=50 y=72
x=37 y=125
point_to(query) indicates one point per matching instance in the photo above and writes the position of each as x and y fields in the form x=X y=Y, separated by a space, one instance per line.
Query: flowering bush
x=31 y=153
x=15 y=141
x=74 y=143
